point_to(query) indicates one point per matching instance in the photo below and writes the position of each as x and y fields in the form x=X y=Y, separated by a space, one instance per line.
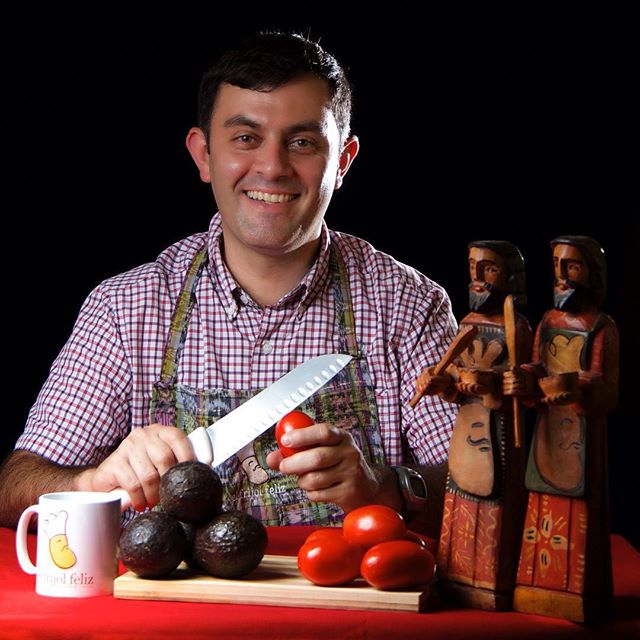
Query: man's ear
x=348 y=153
x=197 y=146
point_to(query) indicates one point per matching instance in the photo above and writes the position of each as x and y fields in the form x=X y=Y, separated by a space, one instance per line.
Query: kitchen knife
x=218 y=442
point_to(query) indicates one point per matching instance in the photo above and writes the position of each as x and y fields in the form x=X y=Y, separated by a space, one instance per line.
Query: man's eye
x=244 y=138
x=302 y=144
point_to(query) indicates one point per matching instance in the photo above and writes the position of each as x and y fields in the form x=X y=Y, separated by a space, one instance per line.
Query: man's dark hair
x=516 y=283
x=268 y=60
x=595 y=259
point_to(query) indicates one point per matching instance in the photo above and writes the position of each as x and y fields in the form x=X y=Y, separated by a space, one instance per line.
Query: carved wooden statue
x=565 y=564
x=485 y=498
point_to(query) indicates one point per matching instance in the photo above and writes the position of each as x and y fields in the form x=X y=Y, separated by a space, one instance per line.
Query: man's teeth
x=271 y=197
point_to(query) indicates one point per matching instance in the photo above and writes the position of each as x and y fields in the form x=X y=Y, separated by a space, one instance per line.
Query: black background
x=476 y=121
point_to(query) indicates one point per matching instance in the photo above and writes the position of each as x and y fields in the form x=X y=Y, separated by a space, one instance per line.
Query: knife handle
x=201 y=445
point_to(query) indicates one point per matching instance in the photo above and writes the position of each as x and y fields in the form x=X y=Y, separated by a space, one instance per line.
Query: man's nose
x=272 y=160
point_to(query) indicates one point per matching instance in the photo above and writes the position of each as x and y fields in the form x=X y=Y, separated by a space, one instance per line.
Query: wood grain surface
x=276 y=581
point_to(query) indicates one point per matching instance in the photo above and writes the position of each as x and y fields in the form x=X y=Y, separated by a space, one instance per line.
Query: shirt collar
x=234 y=297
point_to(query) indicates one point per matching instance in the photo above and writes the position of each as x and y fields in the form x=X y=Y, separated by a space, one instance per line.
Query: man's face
x=275 y=159
x=571 y=285
x=488 y=280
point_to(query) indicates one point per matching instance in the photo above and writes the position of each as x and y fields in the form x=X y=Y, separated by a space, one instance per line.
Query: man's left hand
x=331 y=468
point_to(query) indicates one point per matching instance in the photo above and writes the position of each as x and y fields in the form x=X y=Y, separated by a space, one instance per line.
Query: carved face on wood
x=571 y=284
x=489 y=277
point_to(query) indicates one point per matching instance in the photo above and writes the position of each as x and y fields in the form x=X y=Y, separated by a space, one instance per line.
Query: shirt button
x=267 y=348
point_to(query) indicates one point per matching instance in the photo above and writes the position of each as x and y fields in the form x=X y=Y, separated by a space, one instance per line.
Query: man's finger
x=148 y=477
x=179 y=443
x=316 y=435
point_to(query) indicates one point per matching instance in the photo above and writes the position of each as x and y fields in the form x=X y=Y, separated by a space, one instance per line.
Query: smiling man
x=274 y=159
x=178 y=343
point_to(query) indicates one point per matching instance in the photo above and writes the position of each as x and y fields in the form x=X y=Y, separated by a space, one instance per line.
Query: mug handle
x=21 y=539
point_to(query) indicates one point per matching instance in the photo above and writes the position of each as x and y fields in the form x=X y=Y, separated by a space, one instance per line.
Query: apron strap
x=186 y=301
x=180 y=320
x=344 y=305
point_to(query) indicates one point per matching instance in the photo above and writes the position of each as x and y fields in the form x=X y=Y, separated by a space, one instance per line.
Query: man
x=565 y=558
x=484 y=500
x=265 y=289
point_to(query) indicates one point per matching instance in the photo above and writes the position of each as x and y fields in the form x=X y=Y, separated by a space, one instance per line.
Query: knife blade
x=219 y=441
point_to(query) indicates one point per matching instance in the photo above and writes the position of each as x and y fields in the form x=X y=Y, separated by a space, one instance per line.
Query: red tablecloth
x=24 y=614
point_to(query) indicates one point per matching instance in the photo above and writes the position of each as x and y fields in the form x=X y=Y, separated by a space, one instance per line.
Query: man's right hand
x=138 y=463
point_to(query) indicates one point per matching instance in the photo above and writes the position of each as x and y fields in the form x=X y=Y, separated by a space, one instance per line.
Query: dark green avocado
x=231 y=545
x=153 y=544
x=191 y=492
x=190 y=533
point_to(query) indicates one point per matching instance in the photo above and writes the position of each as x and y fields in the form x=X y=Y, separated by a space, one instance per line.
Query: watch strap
x=412 y=487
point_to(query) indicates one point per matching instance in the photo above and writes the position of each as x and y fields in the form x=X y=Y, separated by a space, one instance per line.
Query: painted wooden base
x=474 y=597
x=276 y=582
x=545 y=602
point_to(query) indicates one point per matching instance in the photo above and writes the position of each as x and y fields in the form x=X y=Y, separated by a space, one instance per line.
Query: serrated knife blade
x=219 y=441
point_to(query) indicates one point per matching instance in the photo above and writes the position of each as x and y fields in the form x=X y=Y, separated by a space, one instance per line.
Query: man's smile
x=271 y=197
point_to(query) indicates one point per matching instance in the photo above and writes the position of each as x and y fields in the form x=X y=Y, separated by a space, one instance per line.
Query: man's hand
x=138 y=463
x=332 y=469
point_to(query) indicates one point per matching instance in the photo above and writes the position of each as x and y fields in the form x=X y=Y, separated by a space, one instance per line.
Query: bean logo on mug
x=78 y=535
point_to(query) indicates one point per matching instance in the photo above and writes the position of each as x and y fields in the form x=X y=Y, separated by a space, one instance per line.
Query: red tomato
x=330 y=561
x=412 y=536
x=428 y=543
x=289 y=422
x=325 y=532
x=398 y=564
x=373 y=524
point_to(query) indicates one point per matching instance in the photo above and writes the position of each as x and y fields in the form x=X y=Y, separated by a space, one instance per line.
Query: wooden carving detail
x=485 y=496
x=565 y=564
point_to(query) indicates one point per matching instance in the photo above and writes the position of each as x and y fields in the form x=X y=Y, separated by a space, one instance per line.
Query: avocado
x=231 y=545
x=191 y=492
x=153 y=544
x=190 y=533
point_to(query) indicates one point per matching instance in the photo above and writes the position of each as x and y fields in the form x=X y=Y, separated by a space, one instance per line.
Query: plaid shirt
x=99 y=387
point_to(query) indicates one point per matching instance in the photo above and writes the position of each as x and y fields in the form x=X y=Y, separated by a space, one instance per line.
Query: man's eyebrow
x=240 y=121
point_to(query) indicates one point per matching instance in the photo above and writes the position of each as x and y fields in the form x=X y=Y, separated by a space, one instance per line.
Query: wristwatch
x=413 y=488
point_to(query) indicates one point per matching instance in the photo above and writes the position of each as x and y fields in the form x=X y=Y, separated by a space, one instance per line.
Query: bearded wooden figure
x=485 y=497
x=565 y=562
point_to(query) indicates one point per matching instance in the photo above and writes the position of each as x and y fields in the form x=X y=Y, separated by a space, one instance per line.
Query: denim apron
x=347 y=401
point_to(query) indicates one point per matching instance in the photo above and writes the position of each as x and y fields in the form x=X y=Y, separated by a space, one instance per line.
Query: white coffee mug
x=78 y=533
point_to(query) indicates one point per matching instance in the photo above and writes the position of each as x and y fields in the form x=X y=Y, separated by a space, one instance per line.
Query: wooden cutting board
x=276 y=581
